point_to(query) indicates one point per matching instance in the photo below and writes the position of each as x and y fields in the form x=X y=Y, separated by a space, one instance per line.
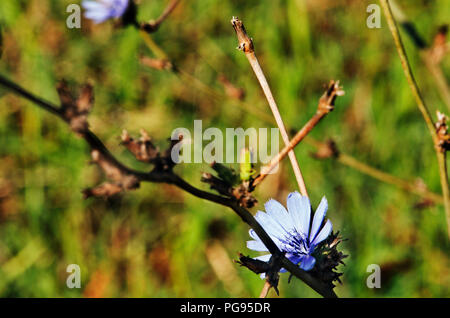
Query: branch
x=431 y=55
x=153 y=25
x=329 y=150
x=265 y=290
x=326 y=105
x=163 y=62
x=246 y=45
x=352 y=162
x=169 y=177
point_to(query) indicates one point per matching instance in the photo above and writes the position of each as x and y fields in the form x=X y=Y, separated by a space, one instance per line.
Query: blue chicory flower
x=291 y=230
x=102 y=10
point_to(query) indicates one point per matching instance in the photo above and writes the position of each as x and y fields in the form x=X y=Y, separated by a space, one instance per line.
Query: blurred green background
x=158 y=241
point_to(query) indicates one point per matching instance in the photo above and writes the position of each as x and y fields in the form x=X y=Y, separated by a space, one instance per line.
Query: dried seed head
x=245 y=42
x=328 y=259
x=326 y=150
x=442 y=132
x=326 y=102
x=157 y=64
x=76 y=109
x=143 y=149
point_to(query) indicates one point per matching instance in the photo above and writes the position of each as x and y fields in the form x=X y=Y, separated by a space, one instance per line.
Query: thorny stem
x=246 y=45
x=441 y=155
x=169 y=177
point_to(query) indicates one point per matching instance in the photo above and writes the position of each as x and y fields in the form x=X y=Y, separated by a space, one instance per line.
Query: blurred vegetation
x=158 y=241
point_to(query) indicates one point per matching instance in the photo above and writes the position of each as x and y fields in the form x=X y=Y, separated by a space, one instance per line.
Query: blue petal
x=120 y=7
x=299 y=208
x=279 y=213
x=257 y=246
x=264 y=258
x=308 y=262
x=102 y=10
x=254 y=236
x=318 y=218
x=324 y=232
x=92 y=5
x=294 y=258
x=272 y=227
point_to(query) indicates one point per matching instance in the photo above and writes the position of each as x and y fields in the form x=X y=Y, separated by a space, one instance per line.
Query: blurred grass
x=154 y=242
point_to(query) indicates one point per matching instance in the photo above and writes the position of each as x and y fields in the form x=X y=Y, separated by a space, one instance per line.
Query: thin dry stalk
x=441 y=155
x=431 y=55
x=109 y=162
x=352 y=162
x=326 y=105
x=246 y=45
x=265 y=290
x=153 y=26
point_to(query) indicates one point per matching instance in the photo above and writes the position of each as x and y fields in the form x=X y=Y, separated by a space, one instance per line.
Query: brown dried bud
x=424 y=204
x=86 y=99
x=326 y=150
x=76 y=110
x=65 y=95
x=122 y=181
x=245 y=43
x=243 y=195
x=157 y=64
x=440 y=47
x=105 y=190
x=231 y=90
x=111 y=170
x=143 y=149
x=441 y=36
x=326 y=102
x=442 y=132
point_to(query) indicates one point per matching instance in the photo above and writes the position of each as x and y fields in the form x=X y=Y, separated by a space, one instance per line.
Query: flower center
x=295 y=244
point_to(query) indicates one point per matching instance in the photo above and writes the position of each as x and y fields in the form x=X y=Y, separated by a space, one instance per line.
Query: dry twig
x=246 y=46
x=128 y=179
x=441 y=155
x=326 y=105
